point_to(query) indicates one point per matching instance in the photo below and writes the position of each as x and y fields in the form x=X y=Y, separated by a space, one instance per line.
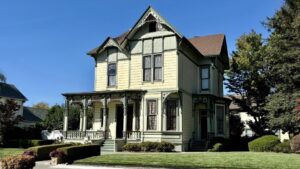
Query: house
x=245 y=118
x=30 y=116
x=154 y=84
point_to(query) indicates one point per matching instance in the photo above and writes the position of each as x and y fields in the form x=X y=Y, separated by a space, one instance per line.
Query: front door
x=120 y=116
x=203 y=124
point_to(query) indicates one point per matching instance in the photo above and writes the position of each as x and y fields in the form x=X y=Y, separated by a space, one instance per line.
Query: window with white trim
x=111 y=74
x=151 y=114
x=204 y=78
x=152 y=67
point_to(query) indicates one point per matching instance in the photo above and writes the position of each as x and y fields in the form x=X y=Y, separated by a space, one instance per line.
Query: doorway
x=203 y=124
x=120 y=118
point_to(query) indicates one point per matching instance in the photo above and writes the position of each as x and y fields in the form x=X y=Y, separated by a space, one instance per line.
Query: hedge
x=284 y=147
x=264 y=143
x=149 y=147
x=42 y=152
x=18 y=162
x=80 y=151
x=25 y=143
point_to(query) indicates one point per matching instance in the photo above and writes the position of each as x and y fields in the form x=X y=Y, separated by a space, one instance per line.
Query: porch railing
x=133 y=135
x=78 y=135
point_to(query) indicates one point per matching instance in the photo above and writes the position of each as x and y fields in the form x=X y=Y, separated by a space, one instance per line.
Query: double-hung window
x=147 y=68
x=151 y=114
x=111 y=74
x=205 y=78
x=171 y=114
x=152 y=68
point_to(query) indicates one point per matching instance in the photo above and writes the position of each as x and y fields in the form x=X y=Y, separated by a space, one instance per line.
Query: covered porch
x=116 y=115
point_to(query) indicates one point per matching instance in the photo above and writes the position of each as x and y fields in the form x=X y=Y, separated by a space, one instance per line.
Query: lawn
x=199 y=160
x=10 y=151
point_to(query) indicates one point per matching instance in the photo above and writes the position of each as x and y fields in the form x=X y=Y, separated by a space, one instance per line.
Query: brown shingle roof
x=121 y=37
x=210 y=45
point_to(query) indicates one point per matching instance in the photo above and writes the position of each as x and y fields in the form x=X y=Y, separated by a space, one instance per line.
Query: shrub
x=295 y=144
x=132 y=147
x=80 y=151
x=29 y=153
x=23 y=143
x=264 y=143
x=149 y=146
x=18 y=162
x=42 y=152
x=217 y=148
x=165 y=147
x=284 y=147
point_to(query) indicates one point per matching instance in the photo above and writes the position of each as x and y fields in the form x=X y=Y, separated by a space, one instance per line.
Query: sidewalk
x=46 y=165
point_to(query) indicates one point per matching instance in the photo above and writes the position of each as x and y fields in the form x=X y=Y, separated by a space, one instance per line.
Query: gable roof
x=31 y=114
x=210 y=45
x=10 y=91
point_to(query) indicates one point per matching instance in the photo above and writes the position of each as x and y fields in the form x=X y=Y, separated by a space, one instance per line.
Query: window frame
x=108 y=84
x=153 y=68
x=208 y=78
x=155 y=127
x=216 y=120
x=174 y=117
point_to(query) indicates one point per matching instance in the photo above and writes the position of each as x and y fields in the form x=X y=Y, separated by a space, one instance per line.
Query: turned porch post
x=104 y=110
x=80 y=119
x=124 y=100
x=85 y=109
x=66 y=114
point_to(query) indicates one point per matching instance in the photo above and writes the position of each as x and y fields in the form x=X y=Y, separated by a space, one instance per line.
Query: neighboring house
x=154 y=84
x=30 y=116
x=245 y=118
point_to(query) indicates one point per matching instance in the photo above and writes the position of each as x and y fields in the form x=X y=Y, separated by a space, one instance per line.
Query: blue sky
x=43 y=44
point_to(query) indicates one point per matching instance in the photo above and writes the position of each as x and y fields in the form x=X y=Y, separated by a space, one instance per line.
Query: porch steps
x=198 y=146
x=108 y=146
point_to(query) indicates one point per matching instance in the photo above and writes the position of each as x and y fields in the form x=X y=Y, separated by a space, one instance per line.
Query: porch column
x=66 y=114
x=125 y=117
x=80 y=119
x=104 y=109
x=85 y=108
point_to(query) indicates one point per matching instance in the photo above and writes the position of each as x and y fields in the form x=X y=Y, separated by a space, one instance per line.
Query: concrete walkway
x=46 y=165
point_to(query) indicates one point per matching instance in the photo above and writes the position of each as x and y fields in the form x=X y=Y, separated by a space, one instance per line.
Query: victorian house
x=154 y=84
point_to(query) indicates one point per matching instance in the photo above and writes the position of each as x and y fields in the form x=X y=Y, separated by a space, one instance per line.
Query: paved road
x=46 y=165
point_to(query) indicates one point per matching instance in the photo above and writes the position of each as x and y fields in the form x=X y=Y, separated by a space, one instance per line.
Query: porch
x=116 y=115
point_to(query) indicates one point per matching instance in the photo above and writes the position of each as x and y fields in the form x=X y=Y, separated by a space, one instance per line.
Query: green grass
x=10 y=151
x=241 y=160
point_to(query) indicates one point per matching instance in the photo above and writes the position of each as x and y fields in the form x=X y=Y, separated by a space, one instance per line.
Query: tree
x=283 y=62
x=41 y=105
x=54 y=118
x=246 y=79
x=8 y=116
x=2 y=78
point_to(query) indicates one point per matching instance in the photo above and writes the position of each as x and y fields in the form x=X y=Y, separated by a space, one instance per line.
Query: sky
x=43 y=44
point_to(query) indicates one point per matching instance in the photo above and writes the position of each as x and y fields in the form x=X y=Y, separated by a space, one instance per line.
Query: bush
x=42 y=152
x=133 y=147
x=80 y=151
x=264 y=143
x=149 y=146
x=18 y=162
x=165 y=147
x=284 y=147
x=295 y=144
x=25 y=143
x=217 y=148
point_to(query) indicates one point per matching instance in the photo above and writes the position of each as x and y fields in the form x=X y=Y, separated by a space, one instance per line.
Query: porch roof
x=104 y=92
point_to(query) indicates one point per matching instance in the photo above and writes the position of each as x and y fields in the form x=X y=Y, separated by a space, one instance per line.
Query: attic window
x=152 y=26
